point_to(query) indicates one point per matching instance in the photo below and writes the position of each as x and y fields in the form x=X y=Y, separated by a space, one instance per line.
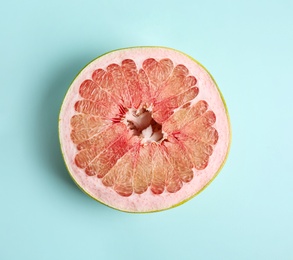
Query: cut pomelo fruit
x=144 y=129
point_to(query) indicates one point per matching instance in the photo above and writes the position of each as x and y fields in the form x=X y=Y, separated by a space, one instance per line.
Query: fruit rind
x=177 y=204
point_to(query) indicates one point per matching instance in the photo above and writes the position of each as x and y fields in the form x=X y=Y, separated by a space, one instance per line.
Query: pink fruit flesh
x=144 y=126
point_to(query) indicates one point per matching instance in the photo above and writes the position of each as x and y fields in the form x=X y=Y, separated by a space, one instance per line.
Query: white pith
x=146 y=201
x=141 y=119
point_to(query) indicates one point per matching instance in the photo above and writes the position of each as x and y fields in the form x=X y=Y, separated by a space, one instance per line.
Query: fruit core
x=141 y=123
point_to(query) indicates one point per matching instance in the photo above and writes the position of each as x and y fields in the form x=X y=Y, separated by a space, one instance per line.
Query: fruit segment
x=101 y=143
x=132 y=83
x=119 y=177
x=84 y=127
x=97 y=108
x=198 y=153
x=108 y=157
x=121 y=84
x=164 y=109
x=159 y=169
x=178 y=82
x=92 y=91
x=181 y=165
x=201 y=129
x=157 y=72
x=142 y=172
x=146 y=97
x=184 y=116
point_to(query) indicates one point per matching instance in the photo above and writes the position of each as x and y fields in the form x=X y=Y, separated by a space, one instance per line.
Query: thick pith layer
x=138 y=124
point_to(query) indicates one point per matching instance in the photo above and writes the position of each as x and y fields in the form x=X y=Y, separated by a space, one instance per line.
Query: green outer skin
x=216 y=174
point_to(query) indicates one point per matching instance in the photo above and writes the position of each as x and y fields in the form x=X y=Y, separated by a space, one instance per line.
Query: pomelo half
x=144 y=129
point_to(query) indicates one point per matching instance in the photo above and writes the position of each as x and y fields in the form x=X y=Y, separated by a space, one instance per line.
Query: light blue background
x=246 y=213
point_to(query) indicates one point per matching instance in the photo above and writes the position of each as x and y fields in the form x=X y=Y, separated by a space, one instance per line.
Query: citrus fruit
x=144 y=129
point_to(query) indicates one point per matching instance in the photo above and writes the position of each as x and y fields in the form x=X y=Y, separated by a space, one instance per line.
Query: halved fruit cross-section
x=144 y=129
